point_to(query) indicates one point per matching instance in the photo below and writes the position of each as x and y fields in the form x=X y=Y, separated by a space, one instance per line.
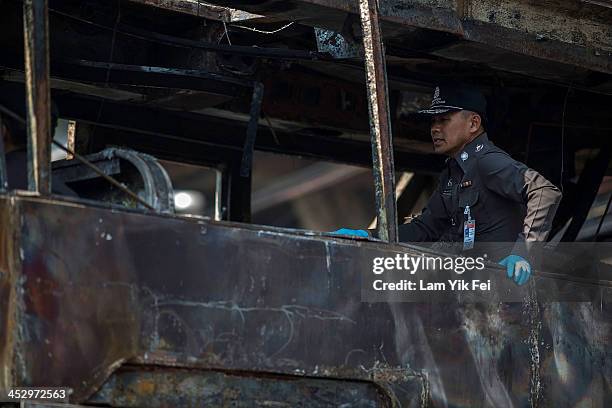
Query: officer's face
x=450 y=132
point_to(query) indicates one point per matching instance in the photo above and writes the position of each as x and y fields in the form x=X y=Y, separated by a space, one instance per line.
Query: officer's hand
x=517 y=267
x=352 y=232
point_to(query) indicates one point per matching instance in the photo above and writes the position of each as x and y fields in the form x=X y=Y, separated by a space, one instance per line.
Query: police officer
x=483 y=194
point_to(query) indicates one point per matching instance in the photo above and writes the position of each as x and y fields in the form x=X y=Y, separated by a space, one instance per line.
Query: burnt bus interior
x=163 y=79
x=258 y=113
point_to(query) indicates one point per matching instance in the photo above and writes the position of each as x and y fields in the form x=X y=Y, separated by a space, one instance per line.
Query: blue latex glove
x=352 y=232
x=517 y=268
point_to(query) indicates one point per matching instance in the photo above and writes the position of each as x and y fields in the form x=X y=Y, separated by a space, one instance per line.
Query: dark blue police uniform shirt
x=509 y=202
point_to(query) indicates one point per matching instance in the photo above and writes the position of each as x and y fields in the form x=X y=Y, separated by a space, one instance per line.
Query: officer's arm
x=517 y=182
x=430 y=225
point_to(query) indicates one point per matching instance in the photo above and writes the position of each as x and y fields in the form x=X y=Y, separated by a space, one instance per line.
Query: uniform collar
x=465 y=158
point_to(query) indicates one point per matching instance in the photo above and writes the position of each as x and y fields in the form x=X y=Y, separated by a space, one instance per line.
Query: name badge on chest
x=469 y=229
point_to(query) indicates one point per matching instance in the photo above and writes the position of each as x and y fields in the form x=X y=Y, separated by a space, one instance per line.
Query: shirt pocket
x=468 y=197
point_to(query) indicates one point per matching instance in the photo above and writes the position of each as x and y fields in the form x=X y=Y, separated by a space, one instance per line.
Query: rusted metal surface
x=528 y=28
x=332 y=13
x=64 y=332
x=134 y=387
x=9 y=263
x=380 y=122
x=201 y=295
x=38 y=98
x=200 y=9
x=561 y=21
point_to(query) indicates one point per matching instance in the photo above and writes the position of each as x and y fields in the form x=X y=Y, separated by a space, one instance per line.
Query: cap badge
x=464 y=156
x=436 y=97
x=450 y=183
x=479 y=147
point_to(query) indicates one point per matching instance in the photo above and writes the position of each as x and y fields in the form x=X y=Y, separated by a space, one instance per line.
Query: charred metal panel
x=380 y=122
x=9 y=263
x=62 y=336
x=579 y=33
x=547 y=20
x=157 y=388
x=38 y=98
x=101 y=287
x=39 y=404
x=200 y=9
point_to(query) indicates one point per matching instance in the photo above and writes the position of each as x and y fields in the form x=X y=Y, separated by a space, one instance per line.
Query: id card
x=469 y=234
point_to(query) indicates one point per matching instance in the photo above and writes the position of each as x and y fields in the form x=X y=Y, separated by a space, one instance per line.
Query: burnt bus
x=114 y=296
